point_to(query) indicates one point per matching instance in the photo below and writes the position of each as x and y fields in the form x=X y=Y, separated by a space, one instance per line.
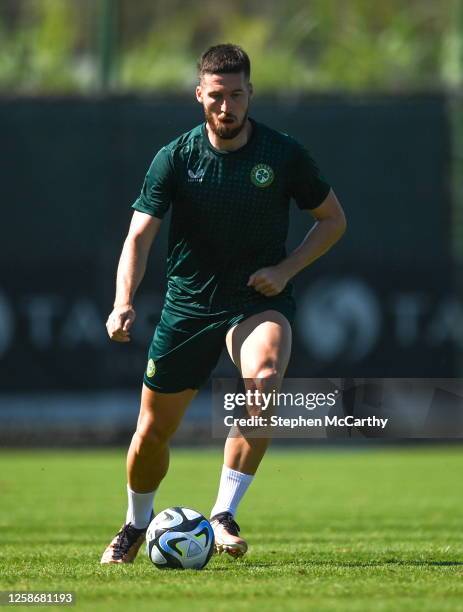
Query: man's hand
x=119 y=323
x=268 y=281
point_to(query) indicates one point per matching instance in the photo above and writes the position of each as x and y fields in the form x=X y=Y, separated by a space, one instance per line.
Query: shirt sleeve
x=157 y=191
x=307 y=185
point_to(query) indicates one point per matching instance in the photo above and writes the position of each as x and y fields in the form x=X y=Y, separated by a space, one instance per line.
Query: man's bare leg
x=148 y=455
x=147 y=464
x=260 y=347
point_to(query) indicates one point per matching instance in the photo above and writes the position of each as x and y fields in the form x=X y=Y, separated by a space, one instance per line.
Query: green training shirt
x=230 y=213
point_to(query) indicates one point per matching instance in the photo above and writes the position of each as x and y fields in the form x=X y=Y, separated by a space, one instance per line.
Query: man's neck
x=230 y=144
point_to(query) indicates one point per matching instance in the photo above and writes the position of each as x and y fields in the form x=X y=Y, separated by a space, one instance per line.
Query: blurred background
x=91 y=89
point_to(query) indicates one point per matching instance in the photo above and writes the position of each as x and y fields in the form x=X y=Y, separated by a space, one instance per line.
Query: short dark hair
x=224 y=59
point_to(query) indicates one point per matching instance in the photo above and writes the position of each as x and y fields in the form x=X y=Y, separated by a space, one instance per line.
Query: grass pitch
x=377 y=529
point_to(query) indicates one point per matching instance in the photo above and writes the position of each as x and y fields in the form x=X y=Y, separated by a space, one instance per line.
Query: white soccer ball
x=179 y=538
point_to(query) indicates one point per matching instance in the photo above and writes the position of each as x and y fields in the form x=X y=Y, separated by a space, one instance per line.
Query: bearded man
x=229 y=183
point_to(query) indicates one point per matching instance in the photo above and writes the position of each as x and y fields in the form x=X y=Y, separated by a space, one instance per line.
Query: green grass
x=328 y=530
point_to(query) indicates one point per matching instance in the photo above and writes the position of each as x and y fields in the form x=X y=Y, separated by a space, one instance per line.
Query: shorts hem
x=168 y=388
x=286 y=309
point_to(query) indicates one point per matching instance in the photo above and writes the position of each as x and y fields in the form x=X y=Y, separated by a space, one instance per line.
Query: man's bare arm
x=130 y=271
x=329 y=227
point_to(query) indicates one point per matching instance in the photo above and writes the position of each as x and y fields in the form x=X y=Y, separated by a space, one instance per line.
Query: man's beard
x=223 y=130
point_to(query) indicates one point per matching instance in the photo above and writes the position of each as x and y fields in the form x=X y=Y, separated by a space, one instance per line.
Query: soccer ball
x=179 y=538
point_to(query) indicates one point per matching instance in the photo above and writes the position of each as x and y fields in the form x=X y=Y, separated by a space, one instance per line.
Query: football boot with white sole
x=125 y=545
x=227 y=535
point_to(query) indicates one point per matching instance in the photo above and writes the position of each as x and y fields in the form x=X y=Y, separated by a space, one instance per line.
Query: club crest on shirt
x=196 y=177
x=262 y=175
x=151 y=368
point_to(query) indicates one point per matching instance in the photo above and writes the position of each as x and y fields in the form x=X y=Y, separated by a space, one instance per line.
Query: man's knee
x=150 y=435
x=160 y=416
x=266 y=376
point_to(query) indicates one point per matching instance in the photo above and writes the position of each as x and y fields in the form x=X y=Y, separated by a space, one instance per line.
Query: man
x=229 y=182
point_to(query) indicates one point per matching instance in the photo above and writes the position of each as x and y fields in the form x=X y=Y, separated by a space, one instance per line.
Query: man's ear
x=199 y=94
x=250 y=88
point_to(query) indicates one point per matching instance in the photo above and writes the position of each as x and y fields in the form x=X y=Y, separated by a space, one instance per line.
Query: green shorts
x=185 y=348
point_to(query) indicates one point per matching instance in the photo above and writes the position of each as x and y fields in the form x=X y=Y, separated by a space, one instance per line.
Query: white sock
x=233 y=485
x=140 y=508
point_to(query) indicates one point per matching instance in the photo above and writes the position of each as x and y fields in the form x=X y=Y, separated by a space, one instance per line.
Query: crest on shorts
x=262 y=175
x=151 y=368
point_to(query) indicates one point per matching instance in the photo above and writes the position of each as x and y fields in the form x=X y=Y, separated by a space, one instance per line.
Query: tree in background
x=50 y=46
